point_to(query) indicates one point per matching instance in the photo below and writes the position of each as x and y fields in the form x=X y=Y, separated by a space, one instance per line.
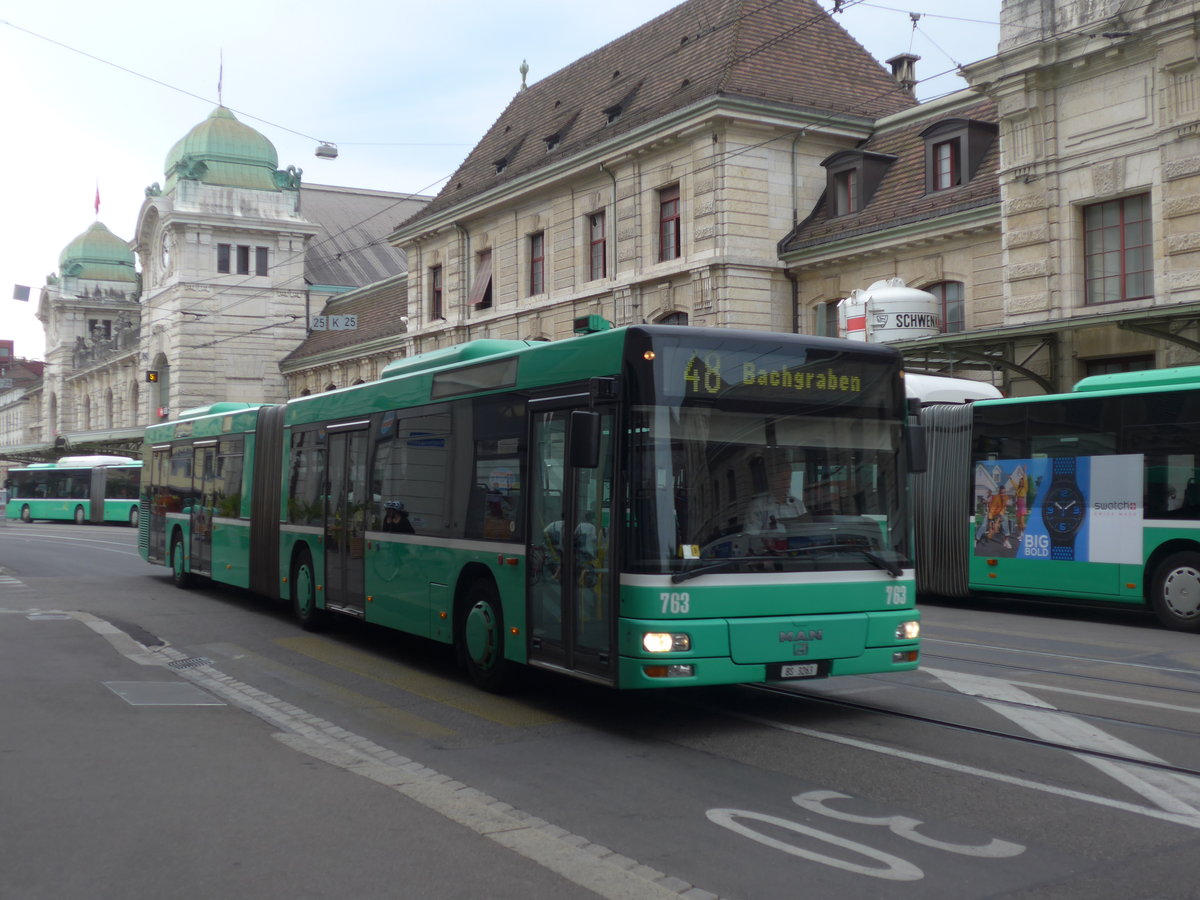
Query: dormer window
x=613 y=113
x=947 y=165
x=845 y=192
x=853 y=177
x=954 y=150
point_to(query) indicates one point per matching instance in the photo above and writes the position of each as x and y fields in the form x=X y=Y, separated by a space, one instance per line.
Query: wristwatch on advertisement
x=1063 y=508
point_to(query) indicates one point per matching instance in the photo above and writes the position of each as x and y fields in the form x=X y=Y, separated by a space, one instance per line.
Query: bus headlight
x=665 y=642
x=908 y=631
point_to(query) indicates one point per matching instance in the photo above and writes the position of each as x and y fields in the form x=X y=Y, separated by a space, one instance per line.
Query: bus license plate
x=791 y=671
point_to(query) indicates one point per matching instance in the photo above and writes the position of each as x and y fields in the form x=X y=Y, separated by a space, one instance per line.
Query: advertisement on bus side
x=1074 y=508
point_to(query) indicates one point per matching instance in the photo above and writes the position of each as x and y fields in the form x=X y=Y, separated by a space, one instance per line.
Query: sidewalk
x=122 y=777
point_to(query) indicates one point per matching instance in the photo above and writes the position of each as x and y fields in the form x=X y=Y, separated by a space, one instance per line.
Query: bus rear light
x=669 y=671
x=905 y=656
x=908 y=631
x=666 y=642
x=993 y=562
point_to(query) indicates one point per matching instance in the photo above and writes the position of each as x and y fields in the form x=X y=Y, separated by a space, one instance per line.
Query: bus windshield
x=721 y=490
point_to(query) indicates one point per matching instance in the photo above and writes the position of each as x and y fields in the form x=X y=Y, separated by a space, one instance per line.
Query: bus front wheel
x=1175 y=593
x=304 y=594
x=179 y=573
x=133 y=517
x=80 y=516
x=480 y=638
x=26 y=515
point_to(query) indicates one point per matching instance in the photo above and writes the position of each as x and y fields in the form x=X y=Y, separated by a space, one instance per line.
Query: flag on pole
x=21 y=292
x=97 y=199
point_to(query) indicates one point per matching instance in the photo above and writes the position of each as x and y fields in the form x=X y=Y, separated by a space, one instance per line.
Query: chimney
x=904 y=71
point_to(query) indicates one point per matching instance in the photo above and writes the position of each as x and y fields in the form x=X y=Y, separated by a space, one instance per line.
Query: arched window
x=133 y=415
x=87 y=413
x=673 y=318
x=950 y=293
x=108 y=408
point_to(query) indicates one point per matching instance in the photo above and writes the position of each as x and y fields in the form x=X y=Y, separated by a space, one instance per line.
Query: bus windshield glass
x=758 y=457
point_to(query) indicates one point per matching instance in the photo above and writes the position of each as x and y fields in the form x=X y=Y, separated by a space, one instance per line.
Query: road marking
x=467 y=698
x=597 y=868
x=1192 y=821
x=1171 y=791
x=1060 y=656
x=399 y=719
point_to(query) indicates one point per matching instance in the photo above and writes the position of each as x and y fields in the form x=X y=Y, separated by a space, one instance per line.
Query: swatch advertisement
x=1073 y=508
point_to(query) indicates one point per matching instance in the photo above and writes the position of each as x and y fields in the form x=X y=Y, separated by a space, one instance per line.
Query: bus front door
x=345 y=519
x=571 y=585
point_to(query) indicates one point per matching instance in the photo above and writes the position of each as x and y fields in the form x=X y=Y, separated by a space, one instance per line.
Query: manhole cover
x=161 y=693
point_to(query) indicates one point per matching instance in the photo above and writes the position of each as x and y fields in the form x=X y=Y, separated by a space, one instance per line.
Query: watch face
x=1063 y=510
x=166 y=253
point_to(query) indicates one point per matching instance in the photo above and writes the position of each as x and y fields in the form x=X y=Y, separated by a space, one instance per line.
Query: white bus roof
x=943 y=389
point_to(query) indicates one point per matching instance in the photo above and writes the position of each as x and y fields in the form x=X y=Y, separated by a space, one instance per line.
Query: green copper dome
x=223 y=151
x=98 y=255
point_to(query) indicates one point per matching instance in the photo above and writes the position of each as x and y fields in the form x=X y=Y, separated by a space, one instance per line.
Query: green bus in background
x=1091 y=496
x=77 y=489
x=641 y=507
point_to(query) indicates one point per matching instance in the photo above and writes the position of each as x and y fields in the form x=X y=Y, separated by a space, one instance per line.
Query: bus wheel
x=133 y=517
x=80 y=518
x=1175 y=593
x=304 y=594
x=26 y=516
x=179 y=573
x=480 y=638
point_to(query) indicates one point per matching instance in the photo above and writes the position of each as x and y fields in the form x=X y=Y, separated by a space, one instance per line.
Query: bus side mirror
x=585 y=438
x=914 y=439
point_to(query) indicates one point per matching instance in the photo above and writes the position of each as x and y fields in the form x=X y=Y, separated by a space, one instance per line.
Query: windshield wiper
x=874 y=558
x=723 y=565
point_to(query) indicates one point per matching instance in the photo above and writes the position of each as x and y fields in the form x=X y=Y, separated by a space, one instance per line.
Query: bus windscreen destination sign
x=726 y=372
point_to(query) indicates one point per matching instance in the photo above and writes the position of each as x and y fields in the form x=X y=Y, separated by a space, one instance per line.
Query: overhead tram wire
x=258 y=291
x=254 y=292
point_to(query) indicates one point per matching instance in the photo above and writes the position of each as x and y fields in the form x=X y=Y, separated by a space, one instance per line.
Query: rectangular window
x=951 y=295
x=945 y=165
x=481 y=287
x=243 y=259
x=537 y=263
x=436 y=310
x=223 y=258
x=1118 y=256
x=668 y=224
x=598 y=244
x=825 y=319
x=260 y=260
x=845 y=192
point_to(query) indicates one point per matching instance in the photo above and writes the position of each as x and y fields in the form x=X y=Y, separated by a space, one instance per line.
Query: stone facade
x=1099 y=104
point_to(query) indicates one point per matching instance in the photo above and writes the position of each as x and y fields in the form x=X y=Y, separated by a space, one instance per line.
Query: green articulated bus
x=1091 y=496
x=641 y=507
x=77 y=489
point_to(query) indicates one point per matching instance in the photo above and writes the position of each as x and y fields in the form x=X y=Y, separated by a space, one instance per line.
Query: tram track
x=1027 y=740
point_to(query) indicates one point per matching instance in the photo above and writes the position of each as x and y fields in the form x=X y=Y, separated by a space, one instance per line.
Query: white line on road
x=1172 y=792
x=589 y=865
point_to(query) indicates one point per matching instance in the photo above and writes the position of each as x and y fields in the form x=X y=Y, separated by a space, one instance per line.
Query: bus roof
x=82 y=462
x=943 y=389
x=1180 y=377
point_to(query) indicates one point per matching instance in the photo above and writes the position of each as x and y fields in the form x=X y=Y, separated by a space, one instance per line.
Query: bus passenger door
x=204 y=467
x=571 y=585
x=345 y=519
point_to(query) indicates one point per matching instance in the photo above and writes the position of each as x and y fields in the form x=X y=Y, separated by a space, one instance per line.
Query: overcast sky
x=95 y=94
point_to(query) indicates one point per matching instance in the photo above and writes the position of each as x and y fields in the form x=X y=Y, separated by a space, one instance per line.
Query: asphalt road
x=197 y=742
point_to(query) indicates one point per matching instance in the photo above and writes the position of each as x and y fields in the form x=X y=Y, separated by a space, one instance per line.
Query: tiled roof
x=786 y=52
x=379 y=309
x=351 y=250
x=901 y=197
